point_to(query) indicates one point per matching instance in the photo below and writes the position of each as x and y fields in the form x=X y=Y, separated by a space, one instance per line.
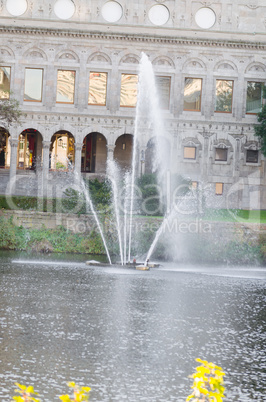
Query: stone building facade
x=69 y=63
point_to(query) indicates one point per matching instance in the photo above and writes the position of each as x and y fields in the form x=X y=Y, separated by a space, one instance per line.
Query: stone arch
x=256 y=68
x=151 y=159
x=225 y=65
x=99 y=57
x=191 y=141
x=67 y=55
x=62 y=150
x=94 y=153
x=194 y=63
x=163 y=61
x=123 y=150
x=251 y=146
x=6 y=51
x=29 y=149
x=222 y=143
x=35 y=53
x=5 y=150
x=130 y=58
x=95 y=128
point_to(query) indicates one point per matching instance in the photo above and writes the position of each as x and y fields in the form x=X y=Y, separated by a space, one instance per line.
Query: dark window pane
x=252 y=156
x=224 y=96
x=254 y=97
x=221 y=154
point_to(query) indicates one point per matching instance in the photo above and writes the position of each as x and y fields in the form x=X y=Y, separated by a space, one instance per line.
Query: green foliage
x=10 y=111
x=60 y=165
x=262 y=243
x=260 y=130
x=58 y=240
x=100 y=192
x=151 y=203
x=27 y=393
x=11 y=236
x=80 y=393
x=208 y=383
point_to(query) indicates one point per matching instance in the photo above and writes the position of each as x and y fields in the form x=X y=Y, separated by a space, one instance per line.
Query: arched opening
x=123 y=151
x=4 y=149
x=152 y=158
x=62 y=151
x=29 y=149
x=94 y=153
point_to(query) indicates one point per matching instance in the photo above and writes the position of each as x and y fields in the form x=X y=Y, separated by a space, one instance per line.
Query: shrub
x=208 y=383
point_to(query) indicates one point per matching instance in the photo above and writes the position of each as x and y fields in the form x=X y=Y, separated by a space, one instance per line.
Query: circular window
x=205 y=17
x=112 y=11
x=64 y=9
x=159 y=14
x=16 y=7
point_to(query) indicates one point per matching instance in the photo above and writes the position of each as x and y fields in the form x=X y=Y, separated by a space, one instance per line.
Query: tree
x=10 y=111
x=260 y=129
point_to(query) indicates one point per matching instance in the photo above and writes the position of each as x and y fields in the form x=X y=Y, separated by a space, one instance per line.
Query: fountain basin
x=138 y=266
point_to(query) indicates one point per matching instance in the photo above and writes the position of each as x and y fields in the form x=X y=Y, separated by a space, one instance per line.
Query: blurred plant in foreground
x=27 y=393
x=208 y=383
x=80 y=393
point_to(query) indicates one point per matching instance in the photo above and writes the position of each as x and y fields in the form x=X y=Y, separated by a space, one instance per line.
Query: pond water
x=129 y=335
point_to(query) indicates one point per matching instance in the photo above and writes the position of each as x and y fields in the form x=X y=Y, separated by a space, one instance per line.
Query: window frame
x=8 y=92
x=224 y=111
x=158 y=92
x=129 y=74
x=223 y=149
x=106 y=86
x=256 y=82
x=187 y=158
x=252 y=162
x=219 y=193
x=74 y=89
x=33 y=100
x=200 y=102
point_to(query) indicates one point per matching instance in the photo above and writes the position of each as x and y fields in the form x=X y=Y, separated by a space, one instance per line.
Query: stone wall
x=213 y=231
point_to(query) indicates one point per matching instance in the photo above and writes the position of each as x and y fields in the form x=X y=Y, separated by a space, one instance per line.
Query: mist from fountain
x=115 y=177
x=147 y=110
x=89 y=202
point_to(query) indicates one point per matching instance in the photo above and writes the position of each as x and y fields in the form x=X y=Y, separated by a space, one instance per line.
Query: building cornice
x=171 y=124
x=130 y=37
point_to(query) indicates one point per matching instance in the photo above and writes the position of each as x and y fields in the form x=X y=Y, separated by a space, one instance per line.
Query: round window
x=112 y=11
x=64 y=9
x=159 y=14
x=16 y=7
x=205 y=17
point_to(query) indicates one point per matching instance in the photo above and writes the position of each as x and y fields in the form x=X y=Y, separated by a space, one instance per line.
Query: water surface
x=129 y=335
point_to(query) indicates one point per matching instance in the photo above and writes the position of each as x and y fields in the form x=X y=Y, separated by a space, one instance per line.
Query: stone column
x=45 y=168
x=142 y=160
x=13 y=165
x=78 y=149
x=110 y=152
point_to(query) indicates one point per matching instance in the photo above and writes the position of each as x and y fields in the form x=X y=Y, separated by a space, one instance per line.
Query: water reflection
x=129 y=335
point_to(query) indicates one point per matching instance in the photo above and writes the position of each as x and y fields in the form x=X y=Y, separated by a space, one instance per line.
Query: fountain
x=124 y=183
x=147 y=109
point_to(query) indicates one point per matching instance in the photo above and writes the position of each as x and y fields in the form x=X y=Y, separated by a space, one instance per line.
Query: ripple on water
x=130 y=335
